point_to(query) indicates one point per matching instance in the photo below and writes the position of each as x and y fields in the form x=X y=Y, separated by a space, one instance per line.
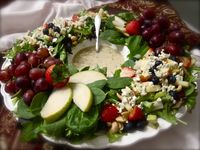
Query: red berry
x=133 y=27
x=127 y=72
x=4 y=76
x=136 y=114
x=174 y=49
x=109 y=113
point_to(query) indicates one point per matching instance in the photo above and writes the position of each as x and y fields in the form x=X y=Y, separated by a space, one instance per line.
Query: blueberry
x=56 y=29
x=155 y=79
x=171 y=79
x=157 y=63
x=140 y=125
x=174 y=94
x=50 y=25
x=45 y=31
x=129 y=126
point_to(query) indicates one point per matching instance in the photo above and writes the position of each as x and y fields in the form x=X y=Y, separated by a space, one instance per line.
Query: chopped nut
x=125 y=114
x=179 y=88
x=114 y=128
x=73 y=38
x=74 y=43
x=121 y=126
x=120 y=119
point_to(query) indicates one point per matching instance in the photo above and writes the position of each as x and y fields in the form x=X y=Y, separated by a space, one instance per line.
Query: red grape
x=173 y=27
x=176 y=37
x=42 y=52
x=4 y=75
x=147 y=23
x=147 y=33
x=157 y=40
x=149 y=13
x=19 y=57
x=22 y=69
x=155 y=28
x=163 y=22
x=33 y=60
x=23 y=82
x=28 y=54
x=11 y=69
x=48 y=63
x=28 y=96
x=36 y=73
x=10 y=87
x=41 y=85
x=173 y=49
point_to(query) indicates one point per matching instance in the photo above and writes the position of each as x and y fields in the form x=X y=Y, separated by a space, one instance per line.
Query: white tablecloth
x=20 y=16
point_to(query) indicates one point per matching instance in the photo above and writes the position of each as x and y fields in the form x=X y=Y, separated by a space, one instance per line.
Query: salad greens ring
x=65 y=103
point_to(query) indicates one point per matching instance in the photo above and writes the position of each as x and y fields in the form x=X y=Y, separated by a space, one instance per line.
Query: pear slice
x=86 y=77
x=57 y=103
x=82 y=96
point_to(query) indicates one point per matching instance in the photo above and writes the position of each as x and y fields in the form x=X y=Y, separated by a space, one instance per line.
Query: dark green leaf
x=127 y=16
x=23 y=111
x=118 y=83
x=59 y=73
x=128 y=63
x=81 y=122
x=85 y=68
x=55 y=129
x=190 y=89
x=38 y=102
x=98 y=95
x=117 y=73
x=113 y=36
x=72 y=69
x=31 y=129
x=191 y=100
x=112 y=94
x=101 y=70
x=97 y=84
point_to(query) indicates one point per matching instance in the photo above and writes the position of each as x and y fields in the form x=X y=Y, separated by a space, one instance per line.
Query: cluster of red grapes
x=158 y=31
x=27 y=73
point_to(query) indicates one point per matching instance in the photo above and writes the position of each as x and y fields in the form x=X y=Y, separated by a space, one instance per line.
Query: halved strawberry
x=56 y=76
x=187 y=61
x=109 y=113
x=75 y=18
x=133 y=27
x=127 y=72
x=136 y=114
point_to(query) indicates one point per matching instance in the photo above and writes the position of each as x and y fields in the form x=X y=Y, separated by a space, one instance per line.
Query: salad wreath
x=56 y=99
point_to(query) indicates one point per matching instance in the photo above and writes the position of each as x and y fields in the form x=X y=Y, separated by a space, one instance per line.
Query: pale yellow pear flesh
x=86 y=77
x=82 y=96
x=57 y=104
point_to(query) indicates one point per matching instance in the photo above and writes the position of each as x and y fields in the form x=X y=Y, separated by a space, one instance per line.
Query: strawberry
x=109 y=113
x=57 y=75
x=136 y=114
x=127 y=72
x=75 y=18
x=133 y=27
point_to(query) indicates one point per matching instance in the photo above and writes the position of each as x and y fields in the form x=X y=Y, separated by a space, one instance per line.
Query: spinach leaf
x=117 y=73
x=107 y=23
x=127 y=16
x=191 y=101
x=85 y=68
x=190 y=89
x=137 y=46
x=56 y=128
x=112 y=94
x=113 y=36
x=72 y=69
x=31 y=129
x=38 y=102
x=98 y=95
x=97 y=84
x=81 y=122
x=118 y=82
x=101 y=70
x=128 y=63
x=23 y=111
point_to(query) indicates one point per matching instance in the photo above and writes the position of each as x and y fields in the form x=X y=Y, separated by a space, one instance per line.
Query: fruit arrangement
x=57 y=99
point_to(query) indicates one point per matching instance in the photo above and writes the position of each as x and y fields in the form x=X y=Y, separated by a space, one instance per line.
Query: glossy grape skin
x=36 y=73
x=10 y=87
x=176 y=37
x=50 y=62
x=19 y=57
x=4 y=75
x=157 y=40
x=173 y=49
x=162 y=21
x=173 y=27
x=11 y=69
x=148 y=13
x=22 y=69
x=33 y=60
x=147 y=34
x=42 y=52
x=41 y=85
x=155 y=28
x=23 y=82
x=28 y=96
